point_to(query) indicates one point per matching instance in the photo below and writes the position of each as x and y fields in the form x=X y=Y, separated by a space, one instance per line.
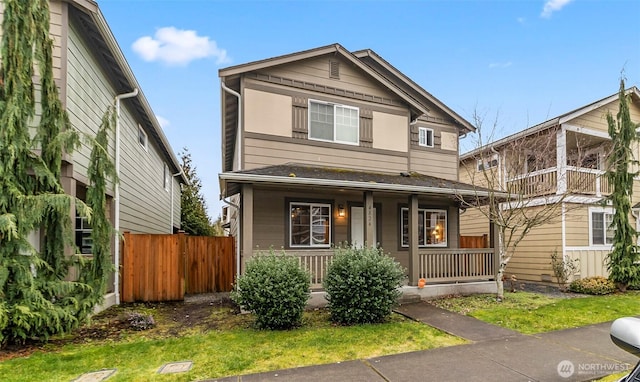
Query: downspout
x=171 y=213
x=239 y=159
x=237 y=207
x=116 y=223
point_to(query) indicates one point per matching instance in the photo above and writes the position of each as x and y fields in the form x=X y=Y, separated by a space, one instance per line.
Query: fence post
x=182 y=259
x=126 y=286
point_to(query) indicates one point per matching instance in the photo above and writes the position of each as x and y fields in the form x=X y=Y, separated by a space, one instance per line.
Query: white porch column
x=414 y=258
x=246 y=207
x=369 y=220
x=561 y=160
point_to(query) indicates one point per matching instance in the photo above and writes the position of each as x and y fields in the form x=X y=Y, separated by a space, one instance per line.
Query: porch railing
x=448 y=265
x=316 y=263
x=579 y=180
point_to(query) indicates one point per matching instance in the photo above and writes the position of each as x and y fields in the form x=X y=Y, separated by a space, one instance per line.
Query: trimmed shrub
x=275 y=289
x=362 y=285
x=593 y=285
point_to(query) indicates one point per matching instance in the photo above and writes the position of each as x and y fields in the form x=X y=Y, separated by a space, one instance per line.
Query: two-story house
x=562 y=161
x=92 y=75
x=326 y=146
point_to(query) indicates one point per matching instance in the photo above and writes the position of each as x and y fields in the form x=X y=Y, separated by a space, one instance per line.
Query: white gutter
x=116 y=226
x=181 y=172
x=239 y=127
x=254 y=178
x=239 y=159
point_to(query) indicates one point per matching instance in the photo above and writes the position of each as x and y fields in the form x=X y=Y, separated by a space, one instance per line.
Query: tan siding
x=316 y=70
x=577 y=226
x=260 y=152
x=473 y=223
x=267 y=113
x=55 y=31
x=597 y=119
x=390 y=132
x=441 y=164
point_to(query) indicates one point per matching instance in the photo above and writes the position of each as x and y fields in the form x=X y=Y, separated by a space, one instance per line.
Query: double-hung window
x=602 y=231
x=432 y=227
x=425 y=137
x=310 y=225
x=83 y=239
x=334 y=123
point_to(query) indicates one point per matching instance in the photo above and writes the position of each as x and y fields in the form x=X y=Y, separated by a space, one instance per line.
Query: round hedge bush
x=275 y=289
x=593 y=285
x=362 y=285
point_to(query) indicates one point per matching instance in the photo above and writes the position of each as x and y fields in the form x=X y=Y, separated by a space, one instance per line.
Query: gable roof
x=97 y=32
x=556 y=121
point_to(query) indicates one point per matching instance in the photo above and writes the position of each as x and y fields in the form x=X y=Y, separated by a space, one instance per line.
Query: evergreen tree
x=35 y=300
x=193 y=215
x=621 y=261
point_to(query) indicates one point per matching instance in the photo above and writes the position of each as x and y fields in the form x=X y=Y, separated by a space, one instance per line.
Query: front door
x=357 y=227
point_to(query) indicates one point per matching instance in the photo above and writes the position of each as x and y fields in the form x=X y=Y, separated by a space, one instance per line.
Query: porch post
x=561 y=161
x=414 y=259
x=368 y=217
x=246 y=206
x=494 y=241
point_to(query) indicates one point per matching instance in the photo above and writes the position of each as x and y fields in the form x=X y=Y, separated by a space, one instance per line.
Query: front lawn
x=532 y=313
x=219 y=343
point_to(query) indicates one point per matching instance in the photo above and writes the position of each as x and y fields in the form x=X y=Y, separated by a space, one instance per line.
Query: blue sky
x=516 y=62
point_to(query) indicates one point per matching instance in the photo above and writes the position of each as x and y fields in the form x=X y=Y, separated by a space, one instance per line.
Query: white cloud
x=494 y=65
x=521 y=20
x=552 y=6
x=178 y=47
x=164 y=123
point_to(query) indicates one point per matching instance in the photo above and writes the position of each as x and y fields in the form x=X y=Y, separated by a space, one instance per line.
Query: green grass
x=228 y=352
x=532 y=313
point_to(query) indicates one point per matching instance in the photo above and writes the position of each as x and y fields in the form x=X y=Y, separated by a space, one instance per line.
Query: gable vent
x=334 y=69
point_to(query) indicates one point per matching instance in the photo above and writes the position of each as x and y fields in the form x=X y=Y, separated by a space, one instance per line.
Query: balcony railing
x=584 y=181
x=449 y=265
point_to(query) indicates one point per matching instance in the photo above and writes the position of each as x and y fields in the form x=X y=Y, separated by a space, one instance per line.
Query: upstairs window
x=310 y=225
x=142 y=137
x=425 y=137
x=487 y=163
x=334 y=123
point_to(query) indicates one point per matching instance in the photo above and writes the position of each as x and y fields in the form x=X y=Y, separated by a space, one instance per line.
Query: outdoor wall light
x=341 y=211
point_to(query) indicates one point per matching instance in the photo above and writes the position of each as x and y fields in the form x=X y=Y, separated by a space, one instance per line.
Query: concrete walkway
x=496 y=354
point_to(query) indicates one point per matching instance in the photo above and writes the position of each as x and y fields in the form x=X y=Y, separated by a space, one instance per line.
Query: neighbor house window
x=432 y=228
x=167 y=177
x=83 y=235
x=334 y=123
x=310 y=225
x=425 y=137
x=487 y=163
x=601 y=230
x=142 y=137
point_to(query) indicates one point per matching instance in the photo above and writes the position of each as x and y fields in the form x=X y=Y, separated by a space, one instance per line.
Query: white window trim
x=605 y=210
x=310 y=245
x=446 y=218
x=487 y=163
x=357 y=143
x=166 y=178
x=426 y=132
x=145 y=146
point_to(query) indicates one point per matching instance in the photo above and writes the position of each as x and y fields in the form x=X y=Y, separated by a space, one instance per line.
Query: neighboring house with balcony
x=327 y=146
x=90 y=71
x=562 y=160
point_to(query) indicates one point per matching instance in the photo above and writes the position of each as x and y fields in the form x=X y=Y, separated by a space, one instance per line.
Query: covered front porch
x=306 y=211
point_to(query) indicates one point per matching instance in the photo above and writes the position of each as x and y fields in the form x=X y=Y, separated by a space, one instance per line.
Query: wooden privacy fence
x=166 y=267
x=474 y=241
